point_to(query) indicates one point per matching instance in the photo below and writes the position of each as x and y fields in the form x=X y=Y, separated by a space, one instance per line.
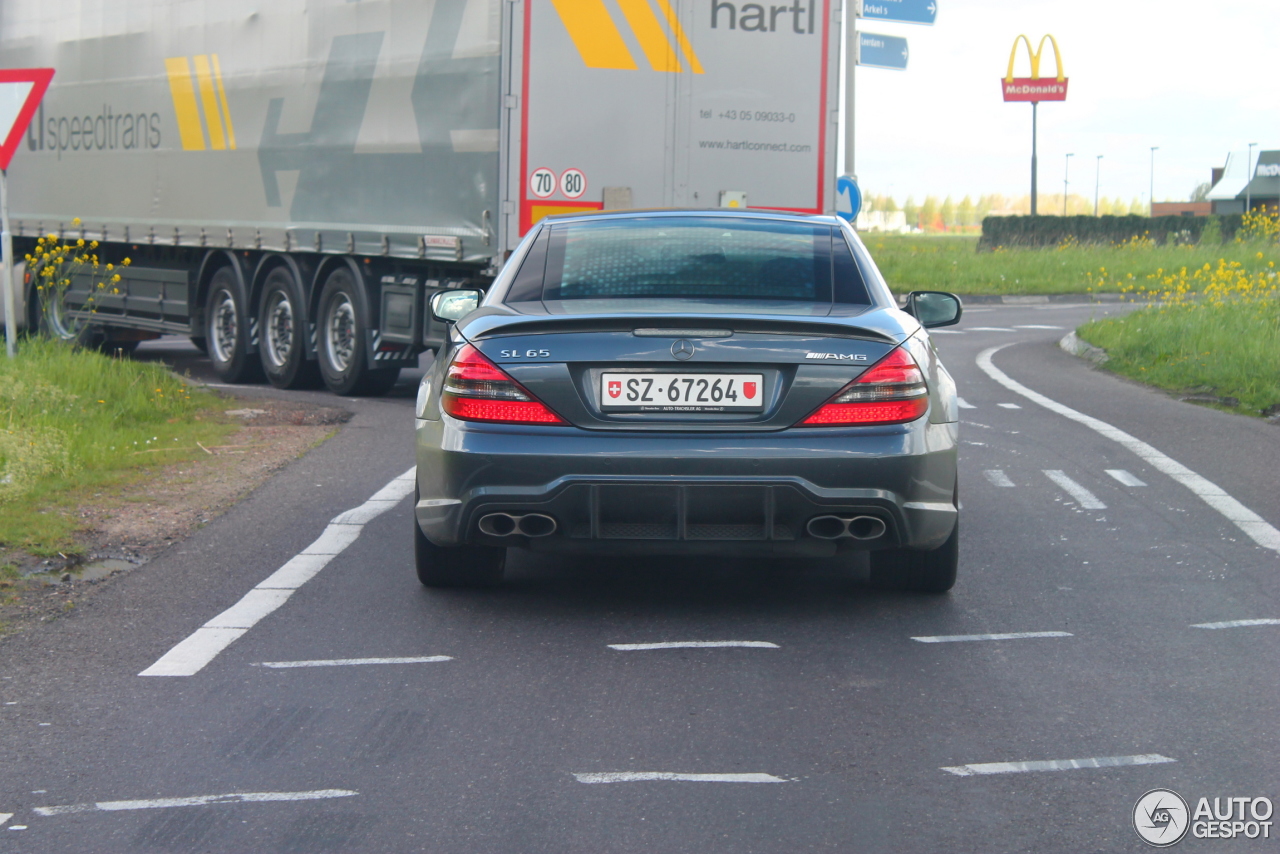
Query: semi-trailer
x=292 y=180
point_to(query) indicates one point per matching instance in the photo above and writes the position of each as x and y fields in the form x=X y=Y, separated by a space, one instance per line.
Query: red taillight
x=476 y=389
x=891 y=392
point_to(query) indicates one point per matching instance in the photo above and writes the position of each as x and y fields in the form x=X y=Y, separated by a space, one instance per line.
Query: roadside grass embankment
x=1213 y=334
x=77 y=425
x=952 y=263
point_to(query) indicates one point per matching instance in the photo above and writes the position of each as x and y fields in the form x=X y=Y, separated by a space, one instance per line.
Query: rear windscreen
x=698 y=258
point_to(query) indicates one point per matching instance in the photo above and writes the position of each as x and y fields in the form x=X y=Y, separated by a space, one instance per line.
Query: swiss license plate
x=682 y=392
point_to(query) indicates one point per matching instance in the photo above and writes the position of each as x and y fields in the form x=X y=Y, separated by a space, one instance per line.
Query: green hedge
x=1039 y=231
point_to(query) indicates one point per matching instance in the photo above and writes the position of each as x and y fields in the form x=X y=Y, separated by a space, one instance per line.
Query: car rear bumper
x=685 y=493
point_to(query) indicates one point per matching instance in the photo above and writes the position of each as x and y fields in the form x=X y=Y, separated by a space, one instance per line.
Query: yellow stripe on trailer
x=653 y=40
x=212 y=114
x=222 y=99
x=594 y=34
x=674 y=22
x=184 y=103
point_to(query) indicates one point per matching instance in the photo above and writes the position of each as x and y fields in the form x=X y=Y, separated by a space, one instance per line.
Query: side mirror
x=934 y=308
x=452 y=306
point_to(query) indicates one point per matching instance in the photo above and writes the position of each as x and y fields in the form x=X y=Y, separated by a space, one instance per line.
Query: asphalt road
x=853 y=734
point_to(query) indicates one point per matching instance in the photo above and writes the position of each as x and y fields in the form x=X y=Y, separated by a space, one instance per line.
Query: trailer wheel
x=226 y=326
x=282 y=331
x=342 y=339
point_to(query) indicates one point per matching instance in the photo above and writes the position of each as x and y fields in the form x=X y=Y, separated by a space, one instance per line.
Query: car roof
x=747 y=215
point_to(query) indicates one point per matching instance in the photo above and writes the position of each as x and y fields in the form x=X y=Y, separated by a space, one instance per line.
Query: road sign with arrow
x=880 y=51
x=904 y=11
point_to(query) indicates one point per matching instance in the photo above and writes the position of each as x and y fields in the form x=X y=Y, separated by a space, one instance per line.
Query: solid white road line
x=964 y=404
x=1124 y=477
x=343 y=662
x=989 y=329
x=197 y=801
x=998 y=477
x=1006 y=636
x=1257 y=528
x=203 y=645
x=1036 y=326
x=1008 y=406
x=1083 y=497
x=630 y=647
x=945 y=332
x=1237 y=624
x=1056 y=765
x=643 y=776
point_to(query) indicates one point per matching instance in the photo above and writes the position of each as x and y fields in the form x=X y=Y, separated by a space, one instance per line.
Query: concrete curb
x=1074 y=345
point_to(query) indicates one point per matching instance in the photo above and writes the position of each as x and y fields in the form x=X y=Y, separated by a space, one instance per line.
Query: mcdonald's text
x=1034 y=89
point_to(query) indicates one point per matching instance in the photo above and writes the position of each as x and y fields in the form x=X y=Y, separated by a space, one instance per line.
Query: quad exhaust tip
x=839 y=527
x=508 y=524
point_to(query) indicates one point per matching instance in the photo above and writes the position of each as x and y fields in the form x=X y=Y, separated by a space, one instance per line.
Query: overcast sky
x=1198 y=79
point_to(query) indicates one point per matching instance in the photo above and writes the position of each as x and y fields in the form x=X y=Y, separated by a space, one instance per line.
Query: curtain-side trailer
x=292 y=180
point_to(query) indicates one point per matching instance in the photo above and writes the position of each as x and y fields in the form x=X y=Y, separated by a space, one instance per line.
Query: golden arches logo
x=183 y=85
x=1035 y=57
x=600 y=43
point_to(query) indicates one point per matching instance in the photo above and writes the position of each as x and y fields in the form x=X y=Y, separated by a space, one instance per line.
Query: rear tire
x=457 y=566
x=932 y=571
x=226 y=328
x=342 y=330
x=282 y=330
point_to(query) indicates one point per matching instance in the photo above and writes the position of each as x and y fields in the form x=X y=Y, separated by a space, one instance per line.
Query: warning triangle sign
x=20 y=92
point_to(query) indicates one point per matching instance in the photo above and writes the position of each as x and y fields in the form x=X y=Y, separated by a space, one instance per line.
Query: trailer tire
x=282 y=329
x=226 y=325
x=342 y=329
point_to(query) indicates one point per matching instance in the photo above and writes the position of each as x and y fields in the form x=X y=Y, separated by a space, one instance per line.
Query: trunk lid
x=769 y=371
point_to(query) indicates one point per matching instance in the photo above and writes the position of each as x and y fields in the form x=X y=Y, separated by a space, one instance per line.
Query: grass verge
x=952 y=263
x=75 y=423
x=1230 y=349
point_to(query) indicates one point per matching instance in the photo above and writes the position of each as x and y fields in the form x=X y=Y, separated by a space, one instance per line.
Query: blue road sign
x=882 y=51
x=848 y=198
x=906 y=11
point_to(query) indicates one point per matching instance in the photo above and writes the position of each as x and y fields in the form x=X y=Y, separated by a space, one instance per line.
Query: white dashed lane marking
x=205 y=643
x=1056 y=765
x=998 y=477
x=1086 y=499
x=1036 y=326
x=1237 y=624
x=1008 y=406
x=197 y=801
x=989 y=329
x=345 y=662
x=997 y=637
x=1258 y=529
x=964 y=404
x=4 y=817
x=647 y=776
x=633 y=647
x=1124 y=477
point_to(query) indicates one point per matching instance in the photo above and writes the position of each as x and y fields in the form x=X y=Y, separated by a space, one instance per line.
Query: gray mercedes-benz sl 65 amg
x=689 y=382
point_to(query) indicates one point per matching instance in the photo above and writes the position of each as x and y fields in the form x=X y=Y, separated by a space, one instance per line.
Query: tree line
x=967 y=214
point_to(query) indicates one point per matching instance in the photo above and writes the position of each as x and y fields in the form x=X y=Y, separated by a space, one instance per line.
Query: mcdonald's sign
x=1034 y=88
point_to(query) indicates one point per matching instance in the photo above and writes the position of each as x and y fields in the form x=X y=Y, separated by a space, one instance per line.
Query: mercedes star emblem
x=682 y=349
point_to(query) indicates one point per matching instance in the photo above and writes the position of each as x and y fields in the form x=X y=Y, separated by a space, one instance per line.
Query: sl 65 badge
x=526 y=354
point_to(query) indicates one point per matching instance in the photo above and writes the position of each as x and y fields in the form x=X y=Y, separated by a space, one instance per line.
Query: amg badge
x=850 y=357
